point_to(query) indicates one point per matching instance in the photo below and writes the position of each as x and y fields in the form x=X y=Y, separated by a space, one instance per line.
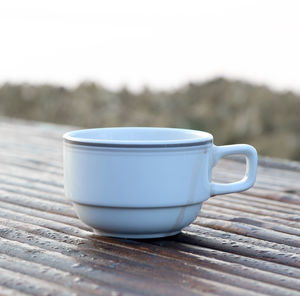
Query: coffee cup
x=145 y=182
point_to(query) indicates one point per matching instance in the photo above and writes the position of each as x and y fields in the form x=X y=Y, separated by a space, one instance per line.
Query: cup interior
x=137 y=135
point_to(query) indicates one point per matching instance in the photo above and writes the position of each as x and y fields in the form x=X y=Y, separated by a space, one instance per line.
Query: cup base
x=138 y=223
x=136 y=236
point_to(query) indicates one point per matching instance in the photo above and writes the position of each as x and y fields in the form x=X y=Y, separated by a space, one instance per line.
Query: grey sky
x=162 y=44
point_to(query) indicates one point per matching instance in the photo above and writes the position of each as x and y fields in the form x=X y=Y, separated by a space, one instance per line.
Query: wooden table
x=241 y=244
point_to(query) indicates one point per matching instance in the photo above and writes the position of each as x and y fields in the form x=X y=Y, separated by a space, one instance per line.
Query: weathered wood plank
x=241 y=244
x=164 y=265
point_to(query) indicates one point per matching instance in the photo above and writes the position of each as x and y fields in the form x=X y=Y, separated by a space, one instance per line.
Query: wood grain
x=240 y=244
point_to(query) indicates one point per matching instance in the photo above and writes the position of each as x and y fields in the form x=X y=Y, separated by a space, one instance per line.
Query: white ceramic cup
x=144 y=182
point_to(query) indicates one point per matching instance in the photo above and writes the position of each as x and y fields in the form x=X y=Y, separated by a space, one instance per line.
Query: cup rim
x=191 y=138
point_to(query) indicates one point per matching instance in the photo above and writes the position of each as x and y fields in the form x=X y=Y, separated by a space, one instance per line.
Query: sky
x=161 y=44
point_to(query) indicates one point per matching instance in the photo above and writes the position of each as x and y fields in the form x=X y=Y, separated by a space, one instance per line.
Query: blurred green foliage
x=233 y=111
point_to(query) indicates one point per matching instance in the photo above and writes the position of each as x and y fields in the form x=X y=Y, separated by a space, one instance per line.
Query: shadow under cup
x=140 y=182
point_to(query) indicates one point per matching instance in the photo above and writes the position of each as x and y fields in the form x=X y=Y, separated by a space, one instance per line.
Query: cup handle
x=251 y=167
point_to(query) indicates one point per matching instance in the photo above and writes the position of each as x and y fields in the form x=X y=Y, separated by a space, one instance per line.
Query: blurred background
x=231 y=68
